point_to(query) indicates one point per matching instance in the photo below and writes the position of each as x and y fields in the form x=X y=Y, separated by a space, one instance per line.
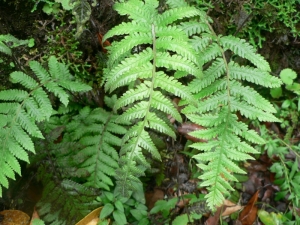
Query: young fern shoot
x=153 y=48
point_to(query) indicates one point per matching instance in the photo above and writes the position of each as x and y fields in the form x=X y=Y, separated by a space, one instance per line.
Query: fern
x=164 y=47
x=221 y=93
x=64 y=201
x=21 y=110
x=96 y=130
x=8 y=41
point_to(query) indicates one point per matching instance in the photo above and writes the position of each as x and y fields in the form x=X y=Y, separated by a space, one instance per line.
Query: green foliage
x=81 y=10
x=90 y=156
x=124 y=210
x=222 y=95
x=21 y=110
x=64 y=201
x=219 y=90
x=153 y=85
x=7 y=42
x=165 y=208
x=96 y=130
x=286 y=170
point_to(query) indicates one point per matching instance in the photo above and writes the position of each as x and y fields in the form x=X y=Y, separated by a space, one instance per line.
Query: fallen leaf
x=249 y=214
x=214 y=219
x=92 y=218
x=35 y=215
x=186 y=128
x=153 y=196
x=230 y=208
x=14 y=217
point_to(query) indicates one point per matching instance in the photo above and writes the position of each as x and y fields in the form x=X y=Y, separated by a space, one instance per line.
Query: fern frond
x=163 y=104
x=131 y=96
x=134 y=61
x=142 y=72
x=176 y=62
x=137 y=11
x=126 y=45
x=25 y=80
x=43 y=101
x=58 y=92
x=174 y=14
x=126 y=28
x=159 y=125
x=98 y=136
x=250 y=96
x=252 y=112
x=39 y=71
x=245 y=50
x=253 y=75
x=147 y=102
x=194 y=27
x=5 y=49
x=178 y=46
x=25 y=109
x=221 y=93
x=211 y=52
x=13 y=95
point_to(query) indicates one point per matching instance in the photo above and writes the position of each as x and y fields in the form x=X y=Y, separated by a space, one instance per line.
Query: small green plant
x=286 y=170
x=167 y=210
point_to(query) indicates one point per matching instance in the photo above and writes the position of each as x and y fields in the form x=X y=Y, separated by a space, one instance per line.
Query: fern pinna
x=222 y=93
x=152 y=48
x=21 y=110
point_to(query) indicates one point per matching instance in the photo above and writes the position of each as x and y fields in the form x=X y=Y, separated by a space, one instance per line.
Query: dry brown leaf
x=249 y=214
x=230 y=208
x=14 y=217
x=35 y=215
x=92 y=218
x=186 y=128
x=153 y=196
x=214 y=219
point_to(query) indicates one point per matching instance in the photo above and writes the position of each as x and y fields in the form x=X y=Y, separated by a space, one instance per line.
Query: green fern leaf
x=126 y=28
x=40 y=72
x=25 y=80
x=200 y=44
x=13 y=95
x=211 y=52
x=22 y=138
x=142 y=72
x=43 y=101
x=245 y=50
x=5 y=49
x=253 y=75
x=178 y=46
x=130 y=63
x=163 y=104
x=175 y=14
x=131 y=96
x=137 y=11
x=194 y=27
x=176 y=62
x=159 y=125
x=58 y=91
